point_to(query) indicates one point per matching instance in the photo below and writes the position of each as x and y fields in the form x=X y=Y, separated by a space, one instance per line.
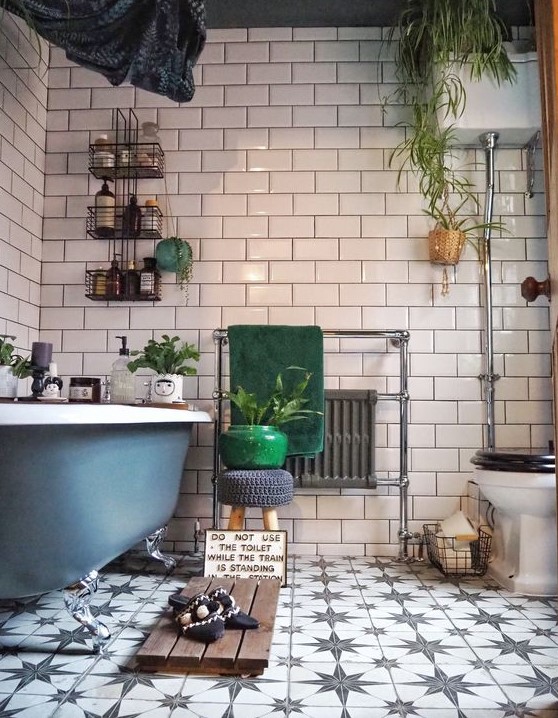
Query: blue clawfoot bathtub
x=79 y=485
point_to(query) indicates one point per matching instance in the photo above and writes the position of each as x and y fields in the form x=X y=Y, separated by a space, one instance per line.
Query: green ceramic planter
x=253 y=447
x=168 y=257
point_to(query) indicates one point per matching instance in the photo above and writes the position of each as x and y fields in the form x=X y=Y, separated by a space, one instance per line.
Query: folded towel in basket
x=258 y=352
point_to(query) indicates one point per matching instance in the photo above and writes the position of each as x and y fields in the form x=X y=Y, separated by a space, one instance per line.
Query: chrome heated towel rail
x=398 y=338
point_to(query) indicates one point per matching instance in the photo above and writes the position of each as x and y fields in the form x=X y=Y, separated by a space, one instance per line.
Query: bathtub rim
x=37 y=413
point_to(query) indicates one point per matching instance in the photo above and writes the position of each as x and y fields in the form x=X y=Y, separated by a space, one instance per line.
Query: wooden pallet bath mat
x=236 y=653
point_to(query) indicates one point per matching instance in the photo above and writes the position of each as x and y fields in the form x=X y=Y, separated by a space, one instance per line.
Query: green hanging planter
x=175 y=255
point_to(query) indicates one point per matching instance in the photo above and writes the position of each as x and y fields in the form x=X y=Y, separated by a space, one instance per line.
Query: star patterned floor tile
x=452 y=685
x=437 y=648
x=354 y=638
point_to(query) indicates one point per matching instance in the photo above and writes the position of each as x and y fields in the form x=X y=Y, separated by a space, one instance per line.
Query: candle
x=197 y=526
x=53 y=369
x=41 y=354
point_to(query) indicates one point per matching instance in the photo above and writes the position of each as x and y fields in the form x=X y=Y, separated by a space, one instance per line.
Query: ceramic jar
x=253 y=446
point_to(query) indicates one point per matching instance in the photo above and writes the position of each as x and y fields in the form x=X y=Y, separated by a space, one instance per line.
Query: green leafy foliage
x=21 y=366
x=433 y=41
x=165 y=357
x=281 y=407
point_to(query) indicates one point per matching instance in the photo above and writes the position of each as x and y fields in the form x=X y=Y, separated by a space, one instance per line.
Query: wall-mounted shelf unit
x=120 y=161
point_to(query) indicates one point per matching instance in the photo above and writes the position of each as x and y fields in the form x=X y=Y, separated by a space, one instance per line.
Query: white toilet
x=521 y=485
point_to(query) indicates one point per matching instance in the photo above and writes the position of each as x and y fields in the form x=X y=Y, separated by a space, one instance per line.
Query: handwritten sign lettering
x=246 y=554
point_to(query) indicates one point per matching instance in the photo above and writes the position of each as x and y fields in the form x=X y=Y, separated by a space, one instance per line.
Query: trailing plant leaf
x=433 y=40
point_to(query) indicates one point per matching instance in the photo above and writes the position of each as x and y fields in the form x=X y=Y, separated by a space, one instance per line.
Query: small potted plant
x=170 y=362
x=450 y=234
x=12 y=367
x=259 y=443
x=175 y=255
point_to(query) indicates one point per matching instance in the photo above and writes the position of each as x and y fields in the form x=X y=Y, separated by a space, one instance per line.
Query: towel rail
x=398 y=338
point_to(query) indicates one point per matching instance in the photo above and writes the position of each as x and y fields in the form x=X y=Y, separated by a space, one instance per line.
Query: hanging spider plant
x=433 y=41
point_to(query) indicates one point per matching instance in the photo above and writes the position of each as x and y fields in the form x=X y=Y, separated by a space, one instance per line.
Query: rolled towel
x=458 y=527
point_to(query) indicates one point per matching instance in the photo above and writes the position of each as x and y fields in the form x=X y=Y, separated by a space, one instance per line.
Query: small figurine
x=52 y=387
x=52 y=384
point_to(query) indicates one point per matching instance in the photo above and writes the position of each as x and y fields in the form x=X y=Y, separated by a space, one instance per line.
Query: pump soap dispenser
x=122 y=382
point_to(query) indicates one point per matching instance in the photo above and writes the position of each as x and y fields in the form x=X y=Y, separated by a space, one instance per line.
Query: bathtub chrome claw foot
x=77 y=598
x=152 y=543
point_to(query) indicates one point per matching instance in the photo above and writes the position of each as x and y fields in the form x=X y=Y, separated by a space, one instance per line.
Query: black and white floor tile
x=354 y=638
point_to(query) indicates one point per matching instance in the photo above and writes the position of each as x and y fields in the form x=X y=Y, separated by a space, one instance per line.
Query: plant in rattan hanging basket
x=453 y=230
x=445 y=245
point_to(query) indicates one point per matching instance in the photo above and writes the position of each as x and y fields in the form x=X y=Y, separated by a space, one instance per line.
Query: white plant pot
x=167 y=388
x=8 y=382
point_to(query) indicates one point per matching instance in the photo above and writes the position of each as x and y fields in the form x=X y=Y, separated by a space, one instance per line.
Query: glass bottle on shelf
x=149 y=277
x=131 y=283
x=150 y=219
x=105 y=211
x=99 y=282
x=147 y=139
x=131 y=218
x=114 y=279
x=103 y=155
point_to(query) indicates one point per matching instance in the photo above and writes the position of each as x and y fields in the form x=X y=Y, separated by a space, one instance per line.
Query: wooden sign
x=246 y=554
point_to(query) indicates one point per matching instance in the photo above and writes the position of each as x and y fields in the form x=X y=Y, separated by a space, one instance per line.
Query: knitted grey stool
x=265 y=488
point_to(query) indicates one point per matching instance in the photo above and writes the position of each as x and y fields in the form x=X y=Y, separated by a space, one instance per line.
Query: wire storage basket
x=457 y=558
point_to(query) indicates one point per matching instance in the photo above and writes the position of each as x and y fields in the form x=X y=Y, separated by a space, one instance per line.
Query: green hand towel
x=258 y=352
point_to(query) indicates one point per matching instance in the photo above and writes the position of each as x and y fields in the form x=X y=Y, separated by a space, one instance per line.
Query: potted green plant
x=13 y=366
x=434 y=40
x=259 y=443
x=170 y=361
x=174 y=254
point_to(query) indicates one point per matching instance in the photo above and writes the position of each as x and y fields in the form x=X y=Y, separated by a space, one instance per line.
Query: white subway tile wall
x=279 y=174
x=23 y=123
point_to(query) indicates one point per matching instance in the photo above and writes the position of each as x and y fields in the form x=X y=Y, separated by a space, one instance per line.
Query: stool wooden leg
x=270 y=520
x=236 y=518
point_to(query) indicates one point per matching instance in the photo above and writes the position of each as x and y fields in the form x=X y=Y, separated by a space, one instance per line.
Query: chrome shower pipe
x=488 y=141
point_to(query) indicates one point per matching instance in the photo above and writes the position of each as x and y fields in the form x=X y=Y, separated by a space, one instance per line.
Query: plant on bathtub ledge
x=170 y=361
x=259 y=443
x=12 y=367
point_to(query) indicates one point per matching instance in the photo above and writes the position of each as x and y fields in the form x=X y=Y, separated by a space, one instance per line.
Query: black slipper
x=230 y=612
x=178 y=601
x=200 y=619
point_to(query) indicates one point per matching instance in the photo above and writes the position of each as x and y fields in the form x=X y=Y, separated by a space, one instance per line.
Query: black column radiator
x=347 y=460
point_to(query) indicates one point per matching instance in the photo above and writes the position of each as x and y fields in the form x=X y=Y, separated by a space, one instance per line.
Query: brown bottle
x=131 y=219
x=105 y=211
x=114 y=280
x=149 y=278
x=131 y=280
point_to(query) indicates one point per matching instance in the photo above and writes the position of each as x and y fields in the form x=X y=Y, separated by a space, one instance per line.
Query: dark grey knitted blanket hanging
x=153 y=44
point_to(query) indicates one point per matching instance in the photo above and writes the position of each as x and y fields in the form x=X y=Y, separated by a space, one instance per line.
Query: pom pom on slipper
x=230 y=612
x=200 y=619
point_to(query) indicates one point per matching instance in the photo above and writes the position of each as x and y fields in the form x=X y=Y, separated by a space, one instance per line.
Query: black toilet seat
x=515 y=460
